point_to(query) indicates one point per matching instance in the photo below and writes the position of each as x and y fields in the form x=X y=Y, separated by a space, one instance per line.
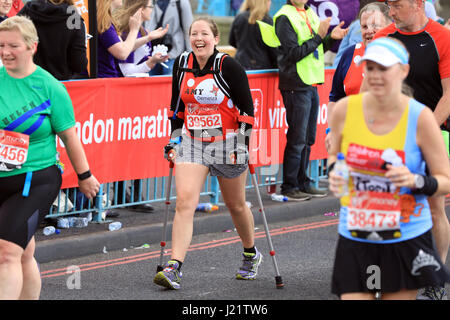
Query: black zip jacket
x=290 y=52
x=62 y=38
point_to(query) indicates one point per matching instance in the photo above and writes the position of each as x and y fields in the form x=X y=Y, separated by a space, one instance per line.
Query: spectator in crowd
x=17 y=5
x=62 y=37
x=252 y=53
x=140 y=60
x=5 y=7
x=113 y=49
x=348 y=76
x=303 y=39
x=429 y=78
x=400 y=135
x=353 y=36
x=178 y=15
x=39 y=109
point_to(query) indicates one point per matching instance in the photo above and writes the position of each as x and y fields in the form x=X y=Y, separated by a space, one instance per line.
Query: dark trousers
x=302 y=108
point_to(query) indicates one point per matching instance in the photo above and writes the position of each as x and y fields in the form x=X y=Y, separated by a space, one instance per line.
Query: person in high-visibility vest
x=302 y=39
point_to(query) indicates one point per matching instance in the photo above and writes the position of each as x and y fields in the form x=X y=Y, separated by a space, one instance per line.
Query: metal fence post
x=314 y=167
x=214 y=190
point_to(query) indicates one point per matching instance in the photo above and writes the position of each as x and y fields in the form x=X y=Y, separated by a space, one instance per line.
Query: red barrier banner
x=123 y=125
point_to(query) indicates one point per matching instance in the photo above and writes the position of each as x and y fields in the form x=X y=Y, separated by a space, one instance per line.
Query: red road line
x=192 y=246
x=199 y=246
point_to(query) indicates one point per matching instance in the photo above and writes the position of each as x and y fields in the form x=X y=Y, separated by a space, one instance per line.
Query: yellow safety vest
x=310 y=69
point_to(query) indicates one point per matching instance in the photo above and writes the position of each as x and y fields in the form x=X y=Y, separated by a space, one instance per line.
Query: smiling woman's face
x=202 y=39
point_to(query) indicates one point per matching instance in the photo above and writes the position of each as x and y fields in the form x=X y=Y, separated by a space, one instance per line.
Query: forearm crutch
x=278 y=281
x=166 y=217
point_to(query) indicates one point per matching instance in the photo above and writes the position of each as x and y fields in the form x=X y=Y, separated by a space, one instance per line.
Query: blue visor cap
x=386 y=51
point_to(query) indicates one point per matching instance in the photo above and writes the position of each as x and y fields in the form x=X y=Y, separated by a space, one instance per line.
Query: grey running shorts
x=214 y=155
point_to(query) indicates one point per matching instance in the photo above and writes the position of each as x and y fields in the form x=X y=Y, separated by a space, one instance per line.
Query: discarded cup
x=272 y=187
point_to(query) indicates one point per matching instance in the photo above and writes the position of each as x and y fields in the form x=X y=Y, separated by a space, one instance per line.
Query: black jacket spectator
x=251 y=51
x=62 y=38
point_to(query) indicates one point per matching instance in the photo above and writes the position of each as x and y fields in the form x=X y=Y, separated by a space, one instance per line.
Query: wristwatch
x=419 y=181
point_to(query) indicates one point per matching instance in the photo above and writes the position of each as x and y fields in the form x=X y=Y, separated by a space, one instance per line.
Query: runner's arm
x=431 y=142
x=241 y=96
x=77 y=156
x=442 y=111
x=175 y=122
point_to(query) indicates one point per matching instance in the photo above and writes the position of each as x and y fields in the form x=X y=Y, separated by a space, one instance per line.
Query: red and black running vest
x=209 y=113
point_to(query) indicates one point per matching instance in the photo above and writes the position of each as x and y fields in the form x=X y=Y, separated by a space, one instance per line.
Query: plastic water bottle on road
x=115 y=226
x=206 y=207
x=278 y=197
x=49 y=230
x=341 y=168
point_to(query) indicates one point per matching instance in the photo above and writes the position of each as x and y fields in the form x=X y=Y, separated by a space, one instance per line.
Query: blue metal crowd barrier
x=152 y=190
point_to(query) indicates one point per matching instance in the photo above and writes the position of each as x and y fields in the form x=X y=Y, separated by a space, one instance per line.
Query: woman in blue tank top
x=385 y=243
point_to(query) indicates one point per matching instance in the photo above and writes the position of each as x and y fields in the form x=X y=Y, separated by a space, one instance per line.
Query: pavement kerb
x=77 y=246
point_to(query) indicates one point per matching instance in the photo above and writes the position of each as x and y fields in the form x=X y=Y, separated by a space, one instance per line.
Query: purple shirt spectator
x=107 y=64
x=338 y=10
x=136 y=61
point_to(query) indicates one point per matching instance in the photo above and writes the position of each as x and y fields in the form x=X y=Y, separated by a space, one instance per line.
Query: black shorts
x=19 y=215
x=410 y=265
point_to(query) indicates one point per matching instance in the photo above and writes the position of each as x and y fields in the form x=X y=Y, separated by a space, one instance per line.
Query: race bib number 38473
x=374 y=211
x=13 y=149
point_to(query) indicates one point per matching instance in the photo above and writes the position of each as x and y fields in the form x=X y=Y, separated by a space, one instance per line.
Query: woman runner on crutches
x=211 y=97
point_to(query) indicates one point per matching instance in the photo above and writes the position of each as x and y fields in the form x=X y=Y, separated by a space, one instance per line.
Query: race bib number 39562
x=211 y=121
x=13 y=149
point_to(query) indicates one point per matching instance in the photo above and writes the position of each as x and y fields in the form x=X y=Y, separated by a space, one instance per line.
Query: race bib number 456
x=13 y=150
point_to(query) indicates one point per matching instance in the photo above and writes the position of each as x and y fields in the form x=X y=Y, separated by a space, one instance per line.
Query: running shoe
x=314 y=192
x=432 y=293
x=169 y=277
x=297 y=195
x=250 y=265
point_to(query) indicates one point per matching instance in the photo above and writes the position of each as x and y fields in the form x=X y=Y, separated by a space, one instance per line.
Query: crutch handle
x=171 y=164
x=251 y=168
